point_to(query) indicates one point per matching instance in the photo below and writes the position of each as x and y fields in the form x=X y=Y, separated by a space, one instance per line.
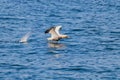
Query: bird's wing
x=25 y=37
x=57 y=29
x=53 y=33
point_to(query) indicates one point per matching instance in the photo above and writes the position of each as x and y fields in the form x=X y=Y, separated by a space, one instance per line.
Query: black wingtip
x=47 y=31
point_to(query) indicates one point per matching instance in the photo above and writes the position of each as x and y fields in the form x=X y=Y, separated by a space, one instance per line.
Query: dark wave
x=12 y=18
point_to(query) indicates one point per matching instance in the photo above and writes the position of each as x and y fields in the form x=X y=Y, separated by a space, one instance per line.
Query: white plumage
x=55 y=34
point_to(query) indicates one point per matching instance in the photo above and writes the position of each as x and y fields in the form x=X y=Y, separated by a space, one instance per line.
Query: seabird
x=25 y=38
x=55 y=34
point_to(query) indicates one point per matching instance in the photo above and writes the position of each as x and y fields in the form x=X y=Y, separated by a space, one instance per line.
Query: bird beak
x=67 y=36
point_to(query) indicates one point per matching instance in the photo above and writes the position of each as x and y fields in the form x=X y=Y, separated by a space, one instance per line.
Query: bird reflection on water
x=53 y=48
x=55 y=45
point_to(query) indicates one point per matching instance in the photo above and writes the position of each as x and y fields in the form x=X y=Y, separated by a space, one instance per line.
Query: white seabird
x=25 y=38
x=55 y=34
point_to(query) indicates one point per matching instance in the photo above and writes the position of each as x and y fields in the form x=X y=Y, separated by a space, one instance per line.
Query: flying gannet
x=25 y=38
x=55 y=34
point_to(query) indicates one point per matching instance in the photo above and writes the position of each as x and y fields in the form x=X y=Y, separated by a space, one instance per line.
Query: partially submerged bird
x=25 y=38
x=55 y=34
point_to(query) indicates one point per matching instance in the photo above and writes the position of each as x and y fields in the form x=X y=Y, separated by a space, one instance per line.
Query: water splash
x=24 y=39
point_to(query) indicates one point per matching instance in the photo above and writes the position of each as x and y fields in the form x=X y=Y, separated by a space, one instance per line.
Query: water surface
x=91 y=53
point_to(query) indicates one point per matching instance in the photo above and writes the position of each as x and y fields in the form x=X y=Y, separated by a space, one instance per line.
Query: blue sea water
x=92 y=51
